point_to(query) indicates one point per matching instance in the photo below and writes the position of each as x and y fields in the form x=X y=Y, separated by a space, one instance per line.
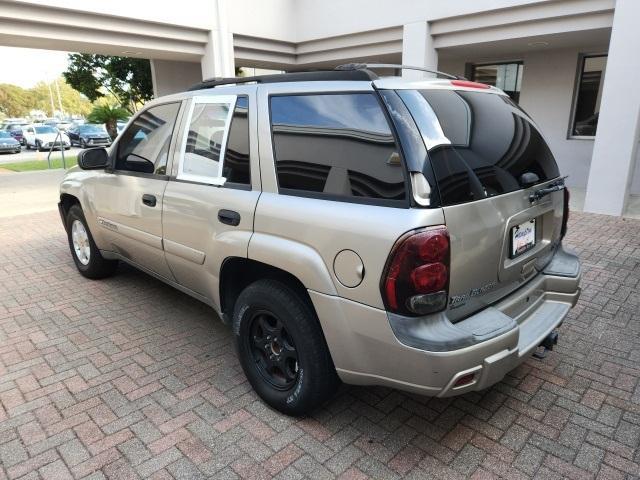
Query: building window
x=505 y=76
x=588 y=95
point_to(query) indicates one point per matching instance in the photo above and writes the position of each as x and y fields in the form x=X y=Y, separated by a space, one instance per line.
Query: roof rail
x=317 y=76
x=368 y=66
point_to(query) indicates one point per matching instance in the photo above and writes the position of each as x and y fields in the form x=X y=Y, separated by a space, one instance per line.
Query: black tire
x=39 y=146
x=315 y=379
x=97 y=266
x=83 y=144
x=26 y=144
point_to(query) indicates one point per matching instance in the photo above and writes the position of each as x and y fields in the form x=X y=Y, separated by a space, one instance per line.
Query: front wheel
x=84 y=251
x=39 y=146
x=282 y=349
x=83 y=144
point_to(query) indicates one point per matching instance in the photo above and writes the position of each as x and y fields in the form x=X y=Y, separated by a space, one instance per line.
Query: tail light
x=416 y=278
x=565 y=213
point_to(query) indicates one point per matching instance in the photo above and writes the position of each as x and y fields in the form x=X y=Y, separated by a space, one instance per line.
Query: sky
x=31 y=66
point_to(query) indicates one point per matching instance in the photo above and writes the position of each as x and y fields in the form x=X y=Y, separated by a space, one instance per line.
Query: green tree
x=109 y=115
x=73 y=102
x=14 y=100
x=127 y=79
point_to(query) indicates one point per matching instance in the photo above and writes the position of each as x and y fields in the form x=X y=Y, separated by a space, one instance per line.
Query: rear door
x=210 y=200
x=488 y=158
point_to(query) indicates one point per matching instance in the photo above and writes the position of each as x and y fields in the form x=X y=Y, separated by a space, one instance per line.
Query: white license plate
x=523 y=237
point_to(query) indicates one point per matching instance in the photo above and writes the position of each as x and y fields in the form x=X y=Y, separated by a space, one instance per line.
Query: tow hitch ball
x=546 y=345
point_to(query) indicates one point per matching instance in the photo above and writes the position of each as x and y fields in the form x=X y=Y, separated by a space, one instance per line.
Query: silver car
x=347 y=227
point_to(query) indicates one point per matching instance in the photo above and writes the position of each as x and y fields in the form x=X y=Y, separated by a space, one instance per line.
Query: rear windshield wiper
x=543 y=192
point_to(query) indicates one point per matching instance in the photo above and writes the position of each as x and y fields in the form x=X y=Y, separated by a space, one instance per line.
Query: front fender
x=74 y=184
x=298 y=259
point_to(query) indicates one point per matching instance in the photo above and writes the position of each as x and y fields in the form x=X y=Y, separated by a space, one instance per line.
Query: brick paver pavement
x=128 y=378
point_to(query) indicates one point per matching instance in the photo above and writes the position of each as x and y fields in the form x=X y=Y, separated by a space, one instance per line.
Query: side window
x=205 y=139
x=144 y=146
x=236 y=168
x=338 y=146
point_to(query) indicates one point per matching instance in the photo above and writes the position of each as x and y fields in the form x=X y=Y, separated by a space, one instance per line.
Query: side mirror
x=93 y=159
x=528 y=179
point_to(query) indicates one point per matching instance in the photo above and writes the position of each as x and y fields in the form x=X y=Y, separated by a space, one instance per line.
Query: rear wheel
x=84 y=251
x=282 y=349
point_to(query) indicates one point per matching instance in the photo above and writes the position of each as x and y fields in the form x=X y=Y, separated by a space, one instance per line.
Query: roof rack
x=368 y=66
x=317 y=76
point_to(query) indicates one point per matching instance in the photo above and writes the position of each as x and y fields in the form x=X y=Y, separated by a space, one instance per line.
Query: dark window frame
x=405 y=203
x=114 y=152
x=238 y=185
x=582 y=58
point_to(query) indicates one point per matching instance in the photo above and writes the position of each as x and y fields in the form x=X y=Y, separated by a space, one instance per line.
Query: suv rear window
x=479 y=144
x=336 y=146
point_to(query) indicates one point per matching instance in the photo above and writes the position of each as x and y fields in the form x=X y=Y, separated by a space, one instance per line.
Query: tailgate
x=486 y=157
x=483 y=265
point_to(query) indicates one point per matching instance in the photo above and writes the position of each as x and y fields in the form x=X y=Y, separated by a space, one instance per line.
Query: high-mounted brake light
x=469 y=84
x=416 y=278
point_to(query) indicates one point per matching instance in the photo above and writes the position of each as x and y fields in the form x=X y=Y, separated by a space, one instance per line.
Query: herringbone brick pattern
x=127 y=378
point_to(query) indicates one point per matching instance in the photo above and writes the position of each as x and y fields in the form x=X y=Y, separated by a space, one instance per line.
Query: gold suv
x=348 y=227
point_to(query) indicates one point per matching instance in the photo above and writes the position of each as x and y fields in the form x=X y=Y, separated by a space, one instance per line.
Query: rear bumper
x=428 y=355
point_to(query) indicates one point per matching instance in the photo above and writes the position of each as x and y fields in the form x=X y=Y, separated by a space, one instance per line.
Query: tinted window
x=144 y=146
x=337 y=146
x=479 y=144
x=236 y=168
x=4 y=134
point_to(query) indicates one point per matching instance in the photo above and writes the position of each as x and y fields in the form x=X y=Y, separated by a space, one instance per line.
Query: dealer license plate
x=523 y=237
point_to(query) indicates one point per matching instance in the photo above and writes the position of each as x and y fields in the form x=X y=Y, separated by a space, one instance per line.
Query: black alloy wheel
x=273 y=350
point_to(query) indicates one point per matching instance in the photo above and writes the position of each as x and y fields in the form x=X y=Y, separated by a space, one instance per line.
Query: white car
x=43 y=137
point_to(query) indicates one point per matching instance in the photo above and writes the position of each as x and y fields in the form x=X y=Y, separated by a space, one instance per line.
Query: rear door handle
x=149 y=200
x=229 y=217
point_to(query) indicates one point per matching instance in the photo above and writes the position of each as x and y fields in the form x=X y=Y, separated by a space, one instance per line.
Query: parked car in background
x=8 y=144
x=405 y=234
x=15 y=130
x=59 y=124
x=89 y=135
x=43 y=137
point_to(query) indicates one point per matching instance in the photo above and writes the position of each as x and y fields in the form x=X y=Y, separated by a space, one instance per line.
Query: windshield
x=92 y=129
x=45 y=130
x=5 y=134
x=479 y=144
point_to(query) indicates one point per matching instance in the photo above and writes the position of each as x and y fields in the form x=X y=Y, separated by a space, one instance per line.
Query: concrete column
x=417 y=49
x=169 y=76
x=218 y=59
x=616 y=143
